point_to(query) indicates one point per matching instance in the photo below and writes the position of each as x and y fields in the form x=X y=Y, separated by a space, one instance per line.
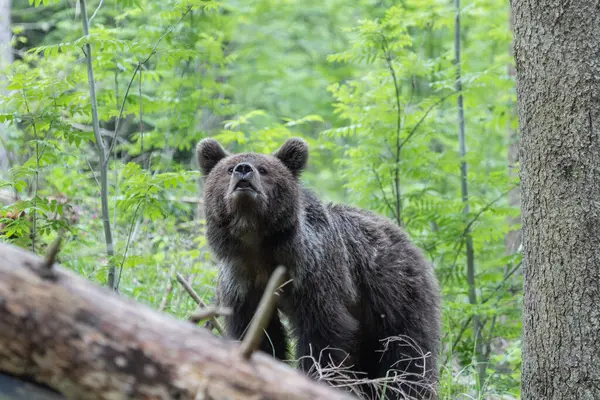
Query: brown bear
x=361 y=295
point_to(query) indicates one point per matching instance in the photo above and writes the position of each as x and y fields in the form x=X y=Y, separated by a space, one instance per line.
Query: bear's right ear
x=209 y=153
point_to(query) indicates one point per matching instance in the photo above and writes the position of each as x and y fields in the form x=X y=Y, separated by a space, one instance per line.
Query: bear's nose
x=243 y=169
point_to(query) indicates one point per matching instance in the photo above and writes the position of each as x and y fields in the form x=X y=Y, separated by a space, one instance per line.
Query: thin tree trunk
x=481 y=365
x=557 y=54
x=103 y=155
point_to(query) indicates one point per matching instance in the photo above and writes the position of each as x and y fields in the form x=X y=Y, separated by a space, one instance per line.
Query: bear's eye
x=230 y=170
x=262 y=171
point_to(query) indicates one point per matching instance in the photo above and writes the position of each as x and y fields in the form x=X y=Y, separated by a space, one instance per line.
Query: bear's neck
x=251 y=236
x=253 y=259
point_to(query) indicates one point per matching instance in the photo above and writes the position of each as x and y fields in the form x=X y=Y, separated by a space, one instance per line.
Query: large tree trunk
x=557 y=53
x=88 y=343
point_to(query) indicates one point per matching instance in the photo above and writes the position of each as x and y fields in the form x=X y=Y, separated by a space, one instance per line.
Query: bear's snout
x=243 y=170
x=244 y=178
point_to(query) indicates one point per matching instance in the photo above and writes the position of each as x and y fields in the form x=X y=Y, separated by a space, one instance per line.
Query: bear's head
x=252 y=195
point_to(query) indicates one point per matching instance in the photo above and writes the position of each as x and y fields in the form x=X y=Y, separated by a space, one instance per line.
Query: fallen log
x=85 y=342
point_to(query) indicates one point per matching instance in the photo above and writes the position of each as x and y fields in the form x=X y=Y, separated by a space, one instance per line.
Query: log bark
x=88 y=343
x=557 y=57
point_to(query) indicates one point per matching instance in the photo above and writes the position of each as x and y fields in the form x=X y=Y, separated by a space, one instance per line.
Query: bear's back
x=369 y=242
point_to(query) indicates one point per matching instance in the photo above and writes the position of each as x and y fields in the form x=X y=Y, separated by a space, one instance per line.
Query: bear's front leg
x=237 y=323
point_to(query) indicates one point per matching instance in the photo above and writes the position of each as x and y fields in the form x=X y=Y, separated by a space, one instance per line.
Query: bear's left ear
x=209 y=153
x=293 y=154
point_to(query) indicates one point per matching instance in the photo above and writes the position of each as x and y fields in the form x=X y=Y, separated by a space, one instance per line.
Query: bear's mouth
x=244 y=186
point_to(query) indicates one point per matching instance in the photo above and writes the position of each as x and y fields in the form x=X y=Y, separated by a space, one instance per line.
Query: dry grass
x=393 y=386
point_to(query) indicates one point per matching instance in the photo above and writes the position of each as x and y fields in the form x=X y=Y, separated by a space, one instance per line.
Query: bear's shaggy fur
x=356 y=279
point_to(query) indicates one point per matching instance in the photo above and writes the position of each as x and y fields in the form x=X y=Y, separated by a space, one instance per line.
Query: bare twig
x=168 y=289
x=385 y=199
x=263 y=314
x=101 y=150
x=141 y=118
x=129 y=236
x=209 y=312
x=190 y=290
x=96 y=12
x=53 y=252
x=484 y=209
x=115 y=135
x=510 y=273
x=45 y=271
x=423 y=117
x=93 y=174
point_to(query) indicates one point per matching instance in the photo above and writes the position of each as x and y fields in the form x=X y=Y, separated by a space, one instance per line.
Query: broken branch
x=188 y=288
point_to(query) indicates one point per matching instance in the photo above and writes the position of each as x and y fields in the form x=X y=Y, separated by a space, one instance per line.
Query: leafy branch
x=137 y=69
x=103 y=152
x=424 y=116
x=466 y=324
x=469 y=225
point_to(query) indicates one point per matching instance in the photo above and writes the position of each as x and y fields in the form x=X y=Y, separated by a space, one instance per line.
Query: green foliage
x=401 y=139
x=370 y=86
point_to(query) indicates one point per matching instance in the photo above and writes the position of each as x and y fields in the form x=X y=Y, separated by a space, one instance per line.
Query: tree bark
x=88 y=343
x=557 y=56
